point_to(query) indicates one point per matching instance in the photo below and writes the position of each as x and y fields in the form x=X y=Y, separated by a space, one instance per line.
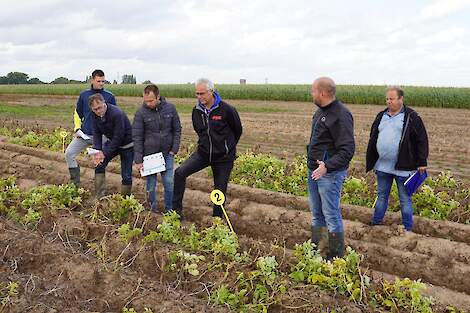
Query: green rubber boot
x=75 y=175
x=100 y=185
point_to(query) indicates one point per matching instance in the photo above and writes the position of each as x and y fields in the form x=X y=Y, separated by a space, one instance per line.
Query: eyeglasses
x=201 y=93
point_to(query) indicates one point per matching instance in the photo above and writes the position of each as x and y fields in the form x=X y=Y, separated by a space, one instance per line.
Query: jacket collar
x=159 y=105
x=215 y=105
x=95 y=90
x=329 y=105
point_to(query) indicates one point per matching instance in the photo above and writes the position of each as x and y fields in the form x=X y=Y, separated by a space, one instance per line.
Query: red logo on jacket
x=216 y=117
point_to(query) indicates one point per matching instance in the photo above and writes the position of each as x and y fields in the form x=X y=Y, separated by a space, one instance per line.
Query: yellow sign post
x=218 y=198
x=64 y=135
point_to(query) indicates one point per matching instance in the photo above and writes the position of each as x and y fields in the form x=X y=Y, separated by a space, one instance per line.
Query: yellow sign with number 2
x=218 y=198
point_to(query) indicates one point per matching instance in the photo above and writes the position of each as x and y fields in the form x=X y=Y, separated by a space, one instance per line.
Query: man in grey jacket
x=157 y=128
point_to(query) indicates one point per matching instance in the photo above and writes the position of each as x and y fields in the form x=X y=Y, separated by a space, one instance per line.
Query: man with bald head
x=329 y=152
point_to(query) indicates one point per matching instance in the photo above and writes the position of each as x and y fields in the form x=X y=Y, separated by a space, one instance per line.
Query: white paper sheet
x=83 y=135
x=92 y=151
x=154 y=163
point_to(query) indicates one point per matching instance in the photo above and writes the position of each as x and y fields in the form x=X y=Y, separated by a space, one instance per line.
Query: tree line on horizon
x=19 y=78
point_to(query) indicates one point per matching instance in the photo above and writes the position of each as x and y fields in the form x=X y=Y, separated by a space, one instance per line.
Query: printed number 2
x=217 y=197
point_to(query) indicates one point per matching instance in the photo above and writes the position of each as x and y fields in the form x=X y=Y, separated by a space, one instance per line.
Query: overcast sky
x=176 y=41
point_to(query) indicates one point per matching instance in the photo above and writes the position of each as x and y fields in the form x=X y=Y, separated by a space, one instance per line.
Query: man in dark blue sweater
x=110 y=121
x=82 y=123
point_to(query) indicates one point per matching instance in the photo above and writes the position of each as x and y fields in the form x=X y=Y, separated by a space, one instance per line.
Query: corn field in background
x=443 y=97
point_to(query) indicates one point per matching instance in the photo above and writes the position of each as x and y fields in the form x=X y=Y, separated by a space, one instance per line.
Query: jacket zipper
x=210 y=140
x=160 y=128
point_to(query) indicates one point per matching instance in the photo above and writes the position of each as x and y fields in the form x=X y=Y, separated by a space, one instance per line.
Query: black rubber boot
x=180 y=213
x=75 y=175
x=316 y=235
x=100 y=185
x=320 y=239
x=217 y=211
x=336 y=245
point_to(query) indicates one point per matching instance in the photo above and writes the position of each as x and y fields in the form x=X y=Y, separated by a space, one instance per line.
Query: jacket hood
x=216 y=103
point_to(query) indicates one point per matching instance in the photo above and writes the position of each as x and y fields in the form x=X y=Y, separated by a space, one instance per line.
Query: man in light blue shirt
x=398 y=146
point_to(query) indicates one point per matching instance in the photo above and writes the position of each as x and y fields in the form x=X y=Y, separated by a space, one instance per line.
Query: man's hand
x=139 y=166
x=171 y=153
x=98 y=158
x=320 y=171
x=422 y=169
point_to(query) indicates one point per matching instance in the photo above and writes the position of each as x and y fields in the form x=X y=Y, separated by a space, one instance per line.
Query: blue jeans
x=384 y=184
x=127 y=157
x=324 y=197
x=167 y=180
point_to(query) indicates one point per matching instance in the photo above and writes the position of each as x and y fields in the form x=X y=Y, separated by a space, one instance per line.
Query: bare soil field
x=58 y=275
x=286 y=131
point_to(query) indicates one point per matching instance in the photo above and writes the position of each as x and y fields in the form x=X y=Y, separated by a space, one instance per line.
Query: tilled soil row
x=438 y=261
x=427 y=227
x=57 y=272
x=54 y=277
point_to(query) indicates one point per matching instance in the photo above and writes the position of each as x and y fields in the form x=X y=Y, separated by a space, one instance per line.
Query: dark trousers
x=127 y=157
x=195 y=163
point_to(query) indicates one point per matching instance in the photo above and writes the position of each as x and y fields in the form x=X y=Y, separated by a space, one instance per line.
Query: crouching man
x=110 y=121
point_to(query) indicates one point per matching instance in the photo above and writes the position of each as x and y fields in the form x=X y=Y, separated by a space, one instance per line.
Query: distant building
x=242 y=81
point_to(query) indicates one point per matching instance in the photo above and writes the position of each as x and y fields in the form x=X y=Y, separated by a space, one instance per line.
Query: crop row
x=252 y=283
x=442 y=197
x=444 y=97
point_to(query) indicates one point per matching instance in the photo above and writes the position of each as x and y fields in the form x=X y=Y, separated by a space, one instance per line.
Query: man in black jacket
x=219 y=128
x=157 y=128
x=114 y=124
x=330 y=150
x=398 y=145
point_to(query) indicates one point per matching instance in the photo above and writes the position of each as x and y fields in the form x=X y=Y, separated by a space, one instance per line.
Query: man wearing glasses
x=110 y=121
x=219 y=128
x=82 y=123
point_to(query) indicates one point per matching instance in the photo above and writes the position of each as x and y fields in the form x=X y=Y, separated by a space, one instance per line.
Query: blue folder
x=414 y=181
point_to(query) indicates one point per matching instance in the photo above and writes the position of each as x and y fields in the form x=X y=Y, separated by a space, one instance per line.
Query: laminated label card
x=154 y=163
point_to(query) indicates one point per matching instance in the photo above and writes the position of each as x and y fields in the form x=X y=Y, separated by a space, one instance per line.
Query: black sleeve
x=342 y=133
x=176 y=127
x=422 y=144
x=138 y=137
x=233 y=119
